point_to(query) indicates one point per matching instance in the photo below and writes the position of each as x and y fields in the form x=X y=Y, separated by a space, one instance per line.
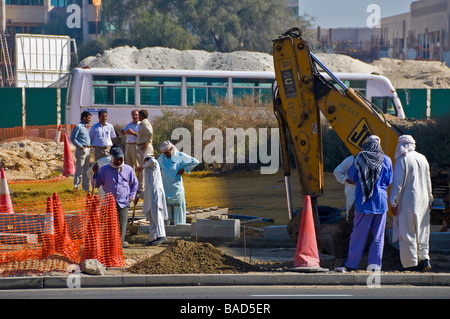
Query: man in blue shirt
x=119 y=179
x=101 y=135
x=82 y=142
x=372 y=172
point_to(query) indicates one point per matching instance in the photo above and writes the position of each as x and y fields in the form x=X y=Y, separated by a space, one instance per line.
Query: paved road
x=235 y=292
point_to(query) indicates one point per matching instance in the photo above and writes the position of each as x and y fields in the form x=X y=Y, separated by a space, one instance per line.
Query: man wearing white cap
x=154 y=207
x=411 y=200
x=173 y=165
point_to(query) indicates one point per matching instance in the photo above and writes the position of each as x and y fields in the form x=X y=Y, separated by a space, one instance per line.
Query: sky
x=350 y=13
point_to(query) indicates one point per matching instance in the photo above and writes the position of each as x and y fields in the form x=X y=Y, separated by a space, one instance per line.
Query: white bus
x=120 y=91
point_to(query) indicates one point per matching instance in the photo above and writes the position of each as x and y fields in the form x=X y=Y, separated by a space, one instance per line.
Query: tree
x=212 y=25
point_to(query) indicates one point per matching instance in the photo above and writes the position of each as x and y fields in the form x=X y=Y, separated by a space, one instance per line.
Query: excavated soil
x=30 y=160
x=184 y=257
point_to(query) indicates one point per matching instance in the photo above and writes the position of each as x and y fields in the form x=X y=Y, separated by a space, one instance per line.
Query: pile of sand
x=403 y=74
x=184 y=257
x=125 y=57
x=29 y=160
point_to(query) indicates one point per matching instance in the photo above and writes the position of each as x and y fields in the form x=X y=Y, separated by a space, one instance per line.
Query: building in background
x=73 y=18
x=423 y=33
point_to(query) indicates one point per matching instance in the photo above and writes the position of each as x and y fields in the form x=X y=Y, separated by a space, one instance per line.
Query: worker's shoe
x=159 y=241
x=155 y=242
x=424 y=265
x=344 y=269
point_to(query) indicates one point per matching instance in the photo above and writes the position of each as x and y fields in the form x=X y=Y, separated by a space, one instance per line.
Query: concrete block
x=276 y=233
x=13 y=238
x=179 y=230
x=224 y=228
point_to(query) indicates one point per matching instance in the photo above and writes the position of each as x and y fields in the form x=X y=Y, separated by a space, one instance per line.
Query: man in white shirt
x=340 y=172
x=131 y=149
x=102 y=135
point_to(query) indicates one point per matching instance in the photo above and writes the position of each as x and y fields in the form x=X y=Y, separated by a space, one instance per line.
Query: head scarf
x=369 y=163
x=406 y=144
x=165 y=146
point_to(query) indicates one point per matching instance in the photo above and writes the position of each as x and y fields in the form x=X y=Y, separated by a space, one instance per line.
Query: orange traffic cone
x=91 y=241
x=306 y=254
x=68 y=167
x=48 y=235
x=6 y=206
x=112 y=253
x=63 y=242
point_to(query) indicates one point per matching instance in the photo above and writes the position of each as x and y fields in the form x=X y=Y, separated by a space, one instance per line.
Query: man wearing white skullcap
x=173 y=165
x=411 y=200
x=154 y=207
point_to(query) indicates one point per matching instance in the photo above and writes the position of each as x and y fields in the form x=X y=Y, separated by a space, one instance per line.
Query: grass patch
x=244 y=193
x=38 y=192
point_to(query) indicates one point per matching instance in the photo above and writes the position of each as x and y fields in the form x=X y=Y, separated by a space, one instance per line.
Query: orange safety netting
x=37 y=133
x=50 y=236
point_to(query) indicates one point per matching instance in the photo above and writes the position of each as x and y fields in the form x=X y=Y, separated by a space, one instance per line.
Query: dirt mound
x=414 y=74
x=184 y=257
x=27 y=160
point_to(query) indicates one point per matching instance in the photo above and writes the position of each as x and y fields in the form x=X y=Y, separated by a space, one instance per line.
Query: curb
x=86 y=281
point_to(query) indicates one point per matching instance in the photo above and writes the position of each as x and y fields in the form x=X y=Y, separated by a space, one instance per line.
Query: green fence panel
x=41 y=106
x=10 y=107
x=63 y=105
x=440 y=102
x=414 y=102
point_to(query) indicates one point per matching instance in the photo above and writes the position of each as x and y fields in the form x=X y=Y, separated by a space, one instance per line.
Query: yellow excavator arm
x=301 y=94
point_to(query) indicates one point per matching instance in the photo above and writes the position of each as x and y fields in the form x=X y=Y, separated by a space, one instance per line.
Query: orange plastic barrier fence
x=41 y=133
x=53 y=235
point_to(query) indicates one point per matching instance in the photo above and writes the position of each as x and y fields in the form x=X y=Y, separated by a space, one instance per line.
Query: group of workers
x=133 y=173
x=367 y=176
x=138 y=174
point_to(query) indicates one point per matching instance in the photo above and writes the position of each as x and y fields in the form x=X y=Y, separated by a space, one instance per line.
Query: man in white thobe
x=411 y=200
x=154 y=207
x=340 y=172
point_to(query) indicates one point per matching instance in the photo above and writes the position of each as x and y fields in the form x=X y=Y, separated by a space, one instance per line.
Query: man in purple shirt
x=372 y=172
x=119 y=179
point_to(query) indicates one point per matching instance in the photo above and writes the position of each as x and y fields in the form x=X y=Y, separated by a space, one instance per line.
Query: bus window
x=171 y=96
x=113 y=89
x=216 y=94
x=103 y=95
x=195 y=95
x=150 y=96
x=385 y=104
x=205 y=90
x=206 y=81
x=241 y=92
x=124 y=95
x=260 y=89
x=160 y=90
x=265 y=96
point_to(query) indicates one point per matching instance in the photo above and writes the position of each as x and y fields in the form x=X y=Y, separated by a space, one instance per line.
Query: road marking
x=303 y=295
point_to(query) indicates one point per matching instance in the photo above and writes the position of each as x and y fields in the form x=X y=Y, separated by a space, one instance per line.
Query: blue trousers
x=362 y=224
